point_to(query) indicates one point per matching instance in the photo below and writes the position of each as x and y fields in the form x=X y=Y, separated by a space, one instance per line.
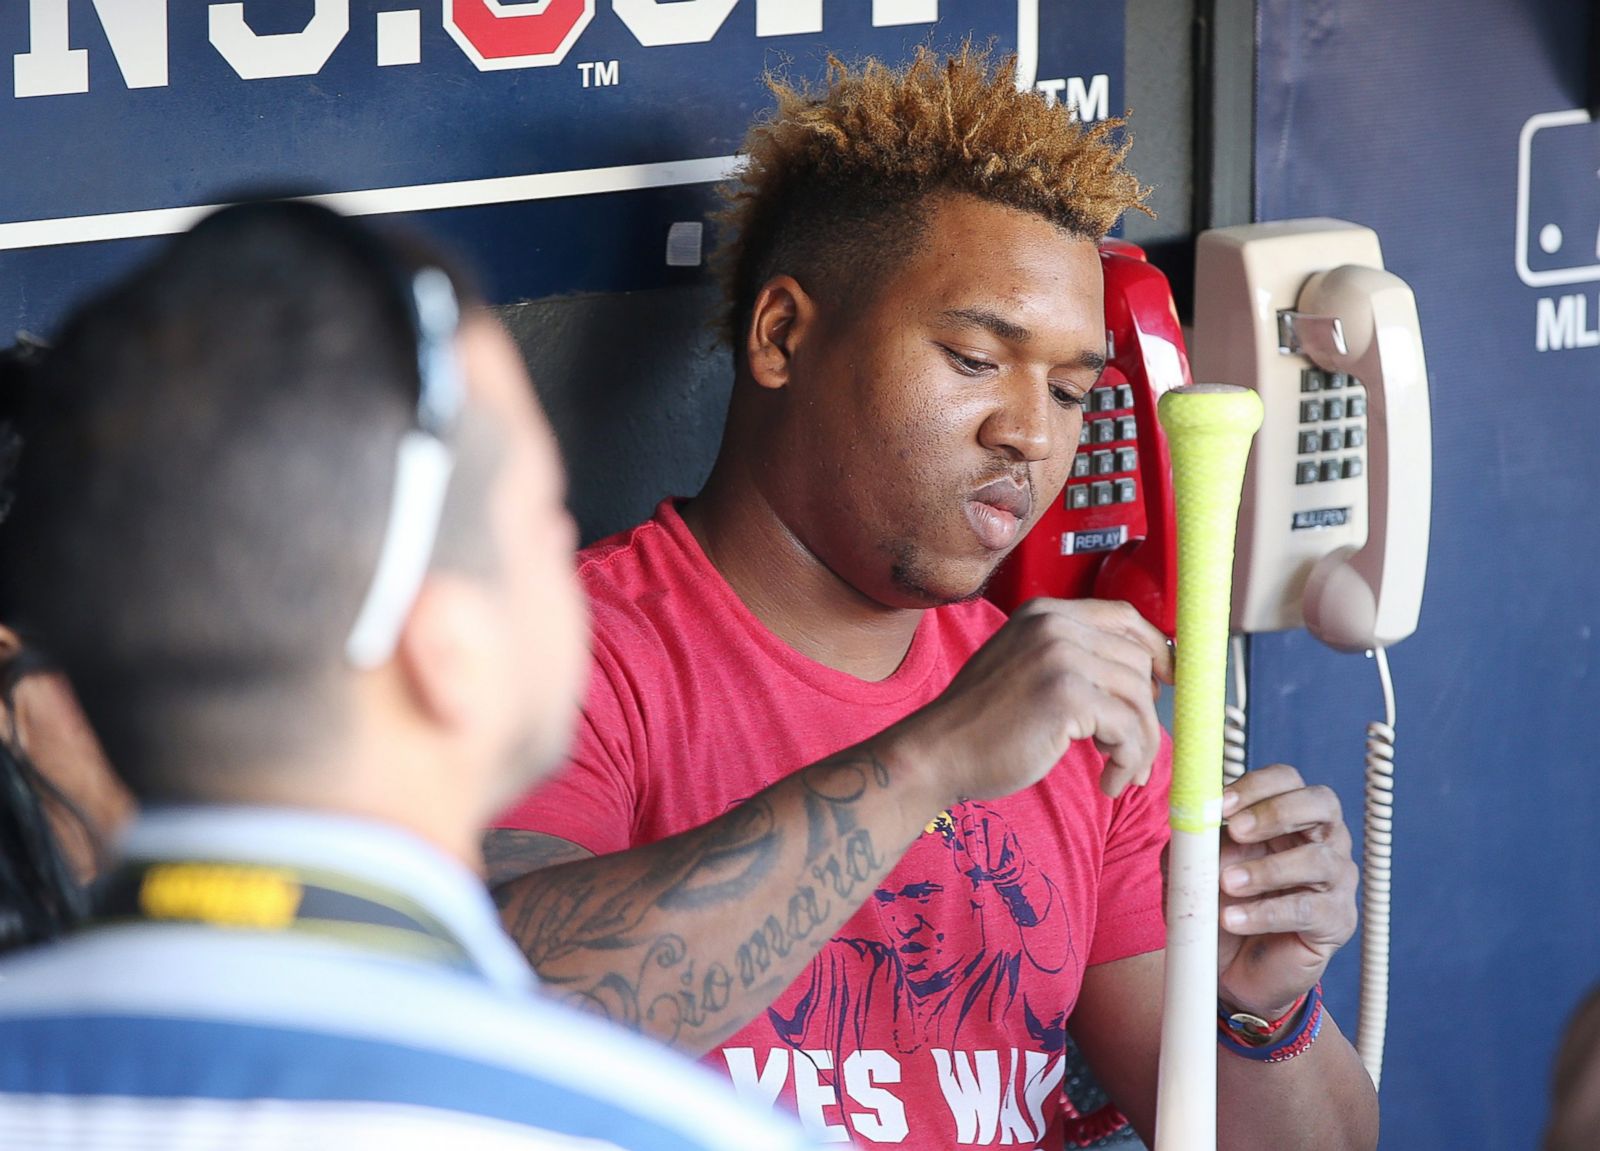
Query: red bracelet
x=1246 y=1037
x=1254 y=1031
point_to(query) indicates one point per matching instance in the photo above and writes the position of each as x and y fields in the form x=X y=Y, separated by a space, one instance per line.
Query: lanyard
x=275 y=898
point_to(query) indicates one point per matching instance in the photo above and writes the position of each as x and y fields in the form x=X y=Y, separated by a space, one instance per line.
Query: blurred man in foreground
x=292 y=524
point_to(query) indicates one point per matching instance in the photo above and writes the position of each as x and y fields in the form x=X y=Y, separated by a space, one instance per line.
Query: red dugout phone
x=1110 y=534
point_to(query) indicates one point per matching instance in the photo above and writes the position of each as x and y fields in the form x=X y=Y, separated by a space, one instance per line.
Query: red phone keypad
x=1110 y=434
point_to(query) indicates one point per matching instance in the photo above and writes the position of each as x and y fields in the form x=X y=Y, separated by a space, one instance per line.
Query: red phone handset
x=1110 y=535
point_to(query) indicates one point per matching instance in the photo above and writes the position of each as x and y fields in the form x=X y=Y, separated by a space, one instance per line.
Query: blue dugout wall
x=1412 y=117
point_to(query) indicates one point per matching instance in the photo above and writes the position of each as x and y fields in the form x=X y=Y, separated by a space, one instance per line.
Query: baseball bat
x=1209 y=428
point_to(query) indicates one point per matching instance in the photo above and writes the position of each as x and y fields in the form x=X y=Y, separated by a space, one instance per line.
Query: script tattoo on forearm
x=626 y=935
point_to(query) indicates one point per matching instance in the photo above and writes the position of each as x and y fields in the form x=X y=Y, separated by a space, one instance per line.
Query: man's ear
x=780 y=319
x=10 y=643
x=446 y=655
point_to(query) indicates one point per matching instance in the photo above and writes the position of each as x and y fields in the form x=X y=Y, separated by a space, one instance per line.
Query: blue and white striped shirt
x=183 y=1037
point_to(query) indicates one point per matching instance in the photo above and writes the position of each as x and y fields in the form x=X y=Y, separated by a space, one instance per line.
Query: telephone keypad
x=1103 y=460
x=1349 y=404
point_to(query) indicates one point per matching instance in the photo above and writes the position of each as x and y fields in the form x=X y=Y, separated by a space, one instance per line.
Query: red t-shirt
x=936 y=1016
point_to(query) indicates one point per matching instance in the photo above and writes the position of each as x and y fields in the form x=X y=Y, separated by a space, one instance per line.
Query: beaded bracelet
x=1297 y=1040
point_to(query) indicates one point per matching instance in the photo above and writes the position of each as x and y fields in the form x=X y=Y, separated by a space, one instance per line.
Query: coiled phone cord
x=1233 y=718
x=1376 y=857
x=1376 y=851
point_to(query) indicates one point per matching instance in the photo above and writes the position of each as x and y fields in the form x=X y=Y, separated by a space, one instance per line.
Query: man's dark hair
x=201 y=512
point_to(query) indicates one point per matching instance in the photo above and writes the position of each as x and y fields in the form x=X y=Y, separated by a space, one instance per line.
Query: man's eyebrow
x=989 y=321
x=1013 y=332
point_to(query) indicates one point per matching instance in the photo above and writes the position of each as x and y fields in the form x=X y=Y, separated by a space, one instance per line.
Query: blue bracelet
x=1294 y=1042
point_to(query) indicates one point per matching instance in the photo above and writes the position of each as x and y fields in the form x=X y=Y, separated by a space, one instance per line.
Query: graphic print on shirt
x=964 y=942
x=954 y=983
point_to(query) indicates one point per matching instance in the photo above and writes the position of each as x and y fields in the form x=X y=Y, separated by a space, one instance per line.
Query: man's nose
x=1021 y=425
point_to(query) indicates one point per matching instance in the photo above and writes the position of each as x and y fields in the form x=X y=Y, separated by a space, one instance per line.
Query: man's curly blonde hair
x=835 y=177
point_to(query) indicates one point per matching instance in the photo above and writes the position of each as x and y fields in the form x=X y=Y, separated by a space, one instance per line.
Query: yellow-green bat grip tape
x=1209 y=428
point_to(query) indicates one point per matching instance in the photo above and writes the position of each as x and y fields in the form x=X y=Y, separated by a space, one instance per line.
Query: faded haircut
x=837 y=178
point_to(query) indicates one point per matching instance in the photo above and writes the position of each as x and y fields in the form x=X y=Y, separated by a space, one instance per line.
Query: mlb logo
x=1558 y=199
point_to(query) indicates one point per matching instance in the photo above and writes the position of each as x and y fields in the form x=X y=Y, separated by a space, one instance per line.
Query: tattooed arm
x=691 y=937
x=509 y=854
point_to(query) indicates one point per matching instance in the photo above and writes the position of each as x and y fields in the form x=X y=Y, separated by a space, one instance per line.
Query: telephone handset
x=1333 y=523
x=1109 y=535
x=1369 y=597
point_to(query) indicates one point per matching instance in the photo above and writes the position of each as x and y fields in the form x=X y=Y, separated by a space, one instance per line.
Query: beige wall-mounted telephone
x=1333 y=522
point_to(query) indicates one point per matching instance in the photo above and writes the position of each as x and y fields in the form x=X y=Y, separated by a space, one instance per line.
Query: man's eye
x=1067 y=399
x=966 y=365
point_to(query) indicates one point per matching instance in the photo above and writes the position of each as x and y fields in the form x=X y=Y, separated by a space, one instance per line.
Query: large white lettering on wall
x=658 y=22
x=499 y=34
x=794 y=18
x=258 y=57
x=654 y=23
x=135 y=29
x=888 y=13
x=493 y=34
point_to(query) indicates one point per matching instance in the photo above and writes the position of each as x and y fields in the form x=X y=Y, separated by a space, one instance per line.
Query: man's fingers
x=1318 y=917
x=1091 y=663
x=1114 y=647
x=1118 y=618
x=1311 y=811
x=1120 y=733
x=1318 y=866
x=1125 y=619
x=1263 y=783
